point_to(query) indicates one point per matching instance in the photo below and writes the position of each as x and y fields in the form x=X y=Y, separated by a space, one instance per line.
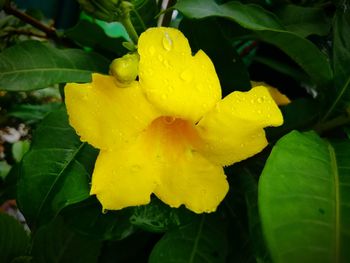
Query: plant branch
x=49 y=31
x=332 y=124
x=168 y=13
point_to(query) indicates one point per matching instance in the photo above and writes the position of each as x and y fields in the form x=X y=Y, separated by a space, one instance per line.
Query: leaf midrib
x=196 y=241
x=43 y=69
x=57 y=178
x=334 y=170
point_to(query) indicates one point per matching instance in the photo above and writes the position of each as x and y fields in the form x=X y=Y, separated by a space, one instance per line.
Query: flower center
x=173 y=134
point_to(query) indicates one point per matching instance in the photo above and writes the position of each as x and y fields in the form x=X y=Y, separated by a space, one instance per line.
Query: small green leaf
x=32 y=65
x=57 y=243
x=204 y=240
x=159 y=217
x=304 y=200
x=4 y=169
x=53 y=173
x=14 y=241
x=268 y=28
x=19 y=148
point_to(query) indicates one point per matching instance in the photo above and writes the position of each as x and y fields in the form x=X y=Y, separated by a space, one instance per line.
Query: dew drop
x=167 y=42
x=186 y=76
x=242 y=145
x=260 y=100
x=164 y=96
x=160 y=58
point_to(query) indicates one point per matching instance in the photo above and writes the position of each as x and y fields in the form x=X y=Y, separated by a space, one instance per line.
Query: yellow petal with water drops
x=277 y=96
x=105 y=114
x=233 y=130
x=124 y=177
x=193 y=181
x=179 y=84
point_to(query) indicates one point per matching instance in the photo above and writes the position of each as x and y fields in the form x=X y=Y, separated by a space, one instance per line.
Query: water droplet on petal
x=242 y=145
x=160 y=58
x=167 y=42
x=260 y=100
x=186 y=75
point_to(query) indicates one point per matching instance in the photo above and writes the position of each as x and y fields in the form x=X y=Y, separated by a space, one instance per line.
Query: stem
x=49 y=31
x=139 y=18
x=126 y=21
x=332 y=124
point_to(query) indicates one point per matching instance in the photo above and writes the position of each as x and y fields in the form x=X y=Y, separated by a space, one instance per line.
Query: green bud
x=107 y=10
x=126 y=68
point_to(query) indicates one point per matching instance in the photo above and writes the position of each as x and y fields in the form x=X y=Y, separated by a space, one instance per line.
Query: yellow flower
x=169 y=133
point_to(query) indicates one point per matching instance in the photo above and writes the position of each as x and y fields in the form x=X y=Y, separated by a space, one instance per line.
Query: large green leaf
x=89 y=34
x=32 y=65
x=88 y=219
x=268 y=28
x=341 y=58
x=304 y=21
x=204 y=240
x=304 y=200
x=57 y=243
x=54 y=173
x=14 y=241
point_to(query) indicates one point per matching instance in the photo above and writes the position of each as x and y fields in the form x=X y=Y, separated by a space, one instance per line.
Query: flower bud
x=107 y=10
x=126 y=68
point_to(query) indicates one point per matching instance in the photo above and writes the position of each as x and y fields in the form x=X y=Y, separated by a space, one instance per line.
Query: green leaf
x=89 y=34
x=159 y=217
x=19 y=148
x=341 y=58
x=304 y=21
x=268 y=28
x=4 y=169
x=204 y=240
x=32 y=65
x=231 y=70
x=57 y=243
x=14 y=241
x=32 y=113
x=54 y=173
x=304 y=200
x=88 y=219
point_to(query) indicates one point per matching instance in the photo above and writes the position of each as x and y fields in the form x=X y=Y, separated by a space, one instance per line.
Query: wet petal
x=277 y=96
x=105 y=114
x=124 y=177
x=233 y=130
x=193 y=181
x=179 y=84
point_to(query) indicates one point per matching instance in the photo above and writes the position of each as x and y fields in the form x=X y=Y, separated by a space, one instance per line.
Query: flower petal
x=106 y=115
x=194 y=182
x=277 y=96
x=124 y=177
x=233 y=130
x=179 y=84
